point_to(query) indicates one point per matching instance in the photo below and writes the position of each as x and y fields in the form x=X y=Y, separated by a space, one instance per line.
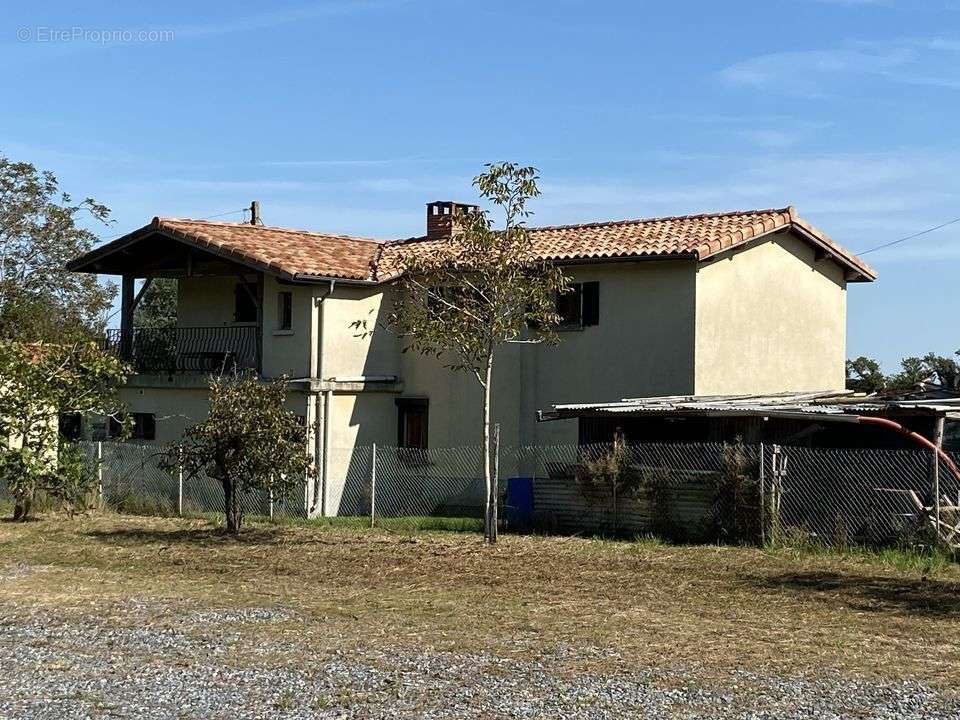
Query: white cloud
x=810 y=72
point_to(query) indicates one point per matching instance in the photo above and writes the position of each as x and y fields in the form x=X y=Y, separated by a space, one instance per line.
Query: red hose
x=915 y=436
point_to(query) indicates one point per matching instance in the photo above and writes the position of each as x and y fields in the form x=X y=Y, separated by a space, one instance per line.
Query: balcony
x=186 y=350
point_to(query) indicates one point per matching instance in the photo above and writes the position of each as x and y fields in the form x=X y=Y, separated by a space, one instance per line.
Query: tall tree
x=39 y=233
x=39 y=382
x=461 y=299
x=249 y=441
x=864 y=375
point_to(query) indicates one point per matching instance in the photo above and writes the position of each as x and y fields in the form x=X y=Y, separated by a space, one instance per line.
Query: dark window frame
x=285 y=310
x=144 y=426
x=70 y=426
x=407 y=407
x=579 y=306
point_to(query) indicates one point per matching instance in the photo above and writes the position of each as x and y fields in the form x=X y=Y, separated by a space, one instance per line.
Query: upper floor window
x=285 y=310
x=579 y=306
x=244 y=302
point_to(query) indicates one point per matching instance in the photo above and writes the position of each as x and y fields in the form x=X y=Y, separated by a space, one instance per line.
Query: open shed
x=816 y=419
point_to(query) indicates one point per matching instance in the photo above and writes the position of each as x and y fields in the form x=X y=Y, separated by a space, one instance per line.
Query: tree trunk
x=490 y=530
x=21 y=508
x=232 y=507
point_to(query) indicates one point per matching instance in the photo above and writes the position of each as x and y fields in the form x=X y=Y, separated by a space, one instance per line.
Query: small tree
x=461 y=299
x=249 y=441
x=38 y=382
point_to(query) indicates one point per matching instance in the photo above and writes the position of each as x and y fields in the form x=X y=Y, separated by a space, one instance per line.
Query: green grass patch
x=922 y=561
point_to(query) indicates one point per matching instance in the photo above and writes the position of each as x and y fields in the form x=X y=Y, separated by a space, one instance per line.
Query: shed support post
x=935 y=473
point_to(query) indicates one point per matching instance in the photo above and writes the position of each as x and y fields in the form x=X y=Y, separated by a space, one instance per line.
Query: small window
x=412 y=423
x=144 y=426
x=245 y=306
x=285 y=310
x=579 y=306
x=71 y=426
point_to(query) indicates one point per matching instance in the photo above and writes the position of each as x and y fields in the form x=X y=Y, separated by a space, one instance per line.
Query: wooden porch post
x=259 y=301
x=126 y=316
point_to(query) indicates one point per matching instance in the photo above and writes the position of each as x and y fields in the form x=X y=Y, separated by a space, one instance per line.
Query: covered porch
x=219 y=330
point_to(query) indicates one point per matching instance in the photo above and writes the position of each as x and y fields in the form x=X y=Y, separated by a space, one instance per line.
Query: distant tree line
x=864 y=374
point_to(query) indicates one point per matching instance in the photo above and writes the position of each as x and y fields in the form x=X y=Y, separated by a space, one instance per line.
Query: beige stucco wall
x=760 y=319
x=177 y=407
x=642 y=346
x=769 y=318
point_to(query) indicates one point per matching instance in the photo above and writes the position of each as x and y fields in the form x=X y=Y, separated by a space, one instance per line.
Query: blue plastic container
x=519 y=502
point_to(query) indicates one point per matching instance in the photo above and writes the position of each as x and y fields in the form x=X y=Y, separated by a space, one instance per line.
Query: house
x=735 y=302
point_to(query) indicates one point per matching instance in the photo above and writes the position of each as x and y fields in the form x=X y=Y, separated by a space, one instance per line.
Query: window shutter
x=591 y=303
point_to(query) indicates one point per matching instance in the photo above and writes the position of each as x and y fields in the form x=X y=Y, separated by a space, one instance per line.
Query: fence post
x=180 y=482
x=373 y=485
x=495 y=494
x=763 y=500
x=777 y=469
x=100 y=473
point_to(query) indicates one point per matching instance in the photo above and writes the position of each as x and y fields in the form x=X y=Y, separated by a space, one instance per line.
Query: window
x=245 y=306
x=412 y=423
x=285 y=310
x=71 y=426
x=144 y=426
x=579 y=306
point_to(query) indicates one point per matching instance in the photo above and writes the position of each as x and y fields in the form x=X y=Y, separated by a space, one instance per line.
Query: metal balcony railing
x=199 y=349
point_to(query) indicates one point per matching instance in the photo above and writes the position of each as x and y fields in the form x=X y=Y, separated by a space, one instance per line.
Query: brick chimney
x=440 y=216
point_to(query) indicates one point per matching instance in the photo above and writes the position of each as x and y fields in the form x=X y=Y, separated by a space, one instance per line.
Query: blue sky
x=348 y=115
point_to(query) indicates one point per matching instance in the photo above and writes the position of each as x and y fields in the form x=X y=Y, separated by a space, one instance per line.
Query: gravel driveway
x=89 y=667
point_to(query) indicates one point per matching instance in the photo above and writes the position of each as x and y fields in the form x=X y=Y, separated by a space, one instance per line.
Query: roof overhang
x=123 y=257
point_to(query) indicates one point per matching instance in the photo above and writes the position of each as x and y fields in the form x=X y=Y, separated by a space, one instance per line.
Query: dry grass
x=715 y=608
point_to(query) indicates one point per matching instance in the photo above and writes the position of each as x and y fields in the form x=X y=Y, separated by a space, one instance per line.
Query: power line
x=206 y=217
x=909 y=237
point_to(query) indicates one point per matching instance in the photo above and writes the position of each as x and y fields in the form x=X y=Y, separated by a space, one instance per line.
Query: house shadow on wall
x=440 y=481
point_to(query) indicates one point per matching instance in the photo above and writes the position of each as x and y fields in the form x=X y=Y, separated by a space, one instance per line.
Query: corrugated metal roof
x=822 y=403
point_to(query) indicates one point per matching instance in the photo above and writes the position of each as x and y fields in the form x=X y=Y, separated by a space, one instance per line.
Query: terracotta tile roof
x=298 y=254
x=291 y=253
x=693 y=236
x=294 y=252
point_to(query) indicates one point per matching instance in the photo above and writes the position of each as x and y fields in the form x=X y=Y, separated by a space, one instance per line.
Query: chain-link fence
x=686 y=492
x=133 y=478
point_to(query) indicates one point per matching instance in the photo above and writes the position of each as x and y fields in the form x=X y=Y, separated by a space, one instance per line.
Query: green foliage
x=249 y=441
x=39 y=233
x=483 y=287
x=40 y=381
x=864 y=374
x=737 y=497
x=157 y=309
x=468 y=295
x=610 y=473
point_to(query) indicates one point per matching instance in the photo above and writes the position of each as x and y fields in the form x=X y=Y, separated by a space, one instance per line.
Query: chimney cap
x=255 y=213
x=449 y=207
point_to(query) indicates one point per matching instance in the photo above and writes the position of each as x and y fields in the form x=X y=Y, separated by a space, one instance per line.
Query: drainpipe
x=321 y=426
x=327 y=397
